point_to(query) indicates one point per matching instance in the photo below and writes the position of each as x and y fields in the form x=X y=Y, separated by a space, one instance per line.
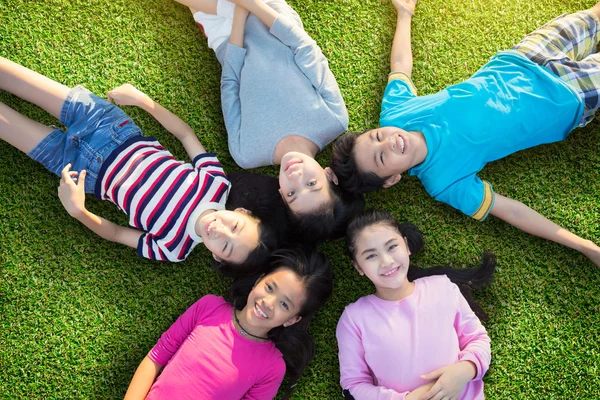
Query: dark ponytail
x=314 y=271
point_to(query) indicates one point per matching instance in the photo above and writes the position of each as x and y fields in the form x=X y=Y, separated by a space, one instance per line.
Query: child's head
x=375 y=159
x=317 y=207
x=380 y=248
x=240 y=242
x=284 y=300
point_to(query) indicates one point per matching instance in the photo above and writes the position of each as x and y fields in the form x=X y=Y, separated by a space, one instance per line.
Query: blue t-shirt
x=510 y=104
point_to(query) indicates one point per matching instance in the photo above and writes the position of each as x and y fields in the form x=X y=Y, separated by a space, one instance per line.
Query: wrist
x=469 y=370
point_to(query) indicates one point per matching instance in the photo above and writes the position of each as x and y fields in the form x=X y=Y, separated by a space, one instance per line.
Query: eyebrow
x=375 y=153
x=284 y=296
x=370 y=250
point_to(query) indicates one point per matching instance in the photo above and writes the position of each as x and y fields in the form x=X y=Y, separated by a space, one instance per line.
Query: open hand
x=592 y=251
x=71 y=191
x=451 y=380
x=126 y=95
x=405 y=7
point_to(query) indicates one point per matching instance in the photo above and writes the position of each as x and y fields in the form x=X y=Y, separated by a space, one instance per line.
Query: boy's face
x=303 y=183
x=386 y=151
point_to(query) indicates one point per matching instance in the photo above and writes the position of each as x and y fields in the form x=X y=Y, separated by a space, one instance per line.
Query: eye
x=381 y=157
x=377 y=137
x=392 y=247
x=235 y=227
x=290 y=194
x=269 y=288
x=284 y=305
x=311 y=183
x=371 y=256
x=225 y=247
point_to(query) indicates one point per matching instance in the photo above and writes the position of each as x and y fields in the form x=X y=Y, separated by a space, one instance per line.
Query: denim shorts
x=95 y=128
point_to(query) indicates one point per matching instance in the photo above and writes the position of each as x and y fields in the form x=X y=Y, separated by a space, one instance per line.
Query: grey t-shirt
x=278 y=85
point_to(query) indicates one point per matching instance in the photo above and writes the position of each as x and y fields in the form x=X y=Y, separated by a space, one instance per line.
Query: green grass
x=79 y=314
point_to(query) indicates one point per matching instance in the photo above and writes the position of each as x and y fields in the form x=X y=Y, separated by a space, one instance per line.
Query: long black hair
x=314 y=271
x=466 y=279
x=328 y=221
x=258 y=194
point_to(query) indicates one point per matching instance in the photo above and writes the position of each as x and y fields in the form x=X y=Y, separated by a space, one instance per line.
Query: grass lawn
x=78 y=313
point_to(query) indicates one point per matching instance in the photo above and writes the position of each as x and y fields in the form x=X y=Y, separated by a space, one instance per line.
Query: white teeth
x=401 y=144
x=391 y=271
x=259 y=311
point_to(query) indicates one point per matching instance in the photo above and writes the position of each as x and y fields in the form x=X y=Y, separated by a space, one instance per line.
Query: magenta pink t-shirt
x=384 y=346
x=205 y=357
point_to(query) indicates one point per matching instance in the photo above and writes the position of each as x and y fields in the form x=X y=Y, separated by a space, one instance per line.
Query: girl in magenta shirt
x=409 y=340
x=240 y=349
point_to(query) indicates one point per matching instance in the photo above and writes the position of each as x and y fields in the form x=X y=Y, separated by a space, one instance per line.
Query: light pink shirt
x=384 y=346
x=205 y=357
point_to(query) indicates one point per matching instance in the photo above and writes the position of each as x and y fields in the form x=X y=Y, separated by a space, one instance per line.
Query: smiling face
x=303 y=183
x=229 y=235
x=389 y=151
x=383 y=256
x=274 y=301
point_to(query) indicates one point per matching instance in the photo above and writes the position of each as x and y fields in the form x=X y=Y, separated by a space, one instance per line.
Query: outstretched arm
x=128 y=95
x=401 y=55
x=530 y=221
x=143 y=379
x=72 y=197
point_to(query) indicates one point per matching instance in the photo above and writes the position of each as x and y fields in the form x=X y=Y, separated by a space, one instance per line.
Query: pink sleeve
x=354 y=371
x=473 y=339
x=169 y=342
x=266 y=388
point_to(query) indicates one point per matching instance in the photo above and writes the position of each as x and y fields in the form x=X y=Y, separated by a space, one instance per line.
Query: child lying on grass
x=172 y=205
x=535 y=93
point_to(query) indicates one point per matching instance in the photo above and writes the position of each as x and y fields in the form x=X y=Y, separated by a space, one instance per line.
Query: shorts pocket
x=123 y=128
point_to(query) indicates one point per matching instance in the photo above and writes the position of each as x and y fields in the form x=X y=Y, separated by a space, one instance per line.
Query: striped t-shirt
x=162 y=196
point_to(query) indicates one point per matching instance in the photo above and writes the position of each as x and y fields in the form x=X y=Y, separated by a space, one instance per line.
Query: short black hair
x=343 y=164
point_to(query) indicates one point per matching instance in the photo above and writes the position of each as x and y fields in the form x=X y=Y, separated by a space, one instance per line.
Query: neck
x=294 y=143
x=421 y=153
x=396 y=294
x=243 y=325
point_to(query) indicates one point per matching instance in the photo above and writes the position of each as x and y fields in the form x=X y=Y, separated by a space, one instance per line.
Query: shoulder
x=210 y=303
x=439 y=283
x=355 y=312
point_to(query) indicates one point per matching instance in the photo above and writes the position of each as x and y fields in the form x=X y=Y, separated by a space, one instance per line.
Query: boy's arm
x=143 y=379
x=128 y=95
x=401 y=55
x=530 y=221
x=72 y=196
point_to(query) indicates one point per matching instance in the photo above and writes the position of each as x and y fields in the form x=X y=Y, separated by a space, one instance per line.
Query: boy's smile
x=389 y=151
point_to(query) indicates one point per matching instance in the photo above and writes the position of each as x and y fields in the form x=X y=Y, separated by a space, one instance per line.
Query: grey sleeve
x=230 y=95
x=313 y=64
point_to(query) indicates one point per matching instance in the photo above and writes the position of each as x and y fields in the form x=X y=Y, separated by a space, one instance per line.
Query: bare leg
x=20 y=131
x=206 y=6
x=33 y=87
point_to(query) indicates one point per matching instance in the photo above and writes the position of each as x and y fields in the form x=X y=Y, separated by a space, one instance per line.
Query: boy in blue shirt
x=535 y=93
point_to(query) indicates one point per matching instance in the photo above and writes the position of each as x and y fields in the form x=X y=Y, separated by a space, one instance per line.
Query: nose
x=220 y=229
x=392 y=142
x=269 y=302
x=387 y=260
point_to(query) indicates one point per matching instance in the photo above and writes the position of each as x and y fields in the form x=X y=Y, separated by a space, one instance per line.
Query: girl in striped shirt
x=172 y=205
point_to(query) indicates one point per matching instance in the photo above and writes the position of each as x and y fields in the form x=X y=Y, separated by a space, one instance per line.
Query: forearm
x=240 y=15
x=108 y=230
x=401 y=54
x=261 y=10
x=420 y=391
x=143 y=379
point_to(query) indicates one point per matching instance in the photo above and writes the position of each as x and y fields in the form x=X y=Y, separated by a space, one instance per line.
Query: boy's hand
x=592 y=251
x=451 y=380
x=126 y=95
x=405 y=7
x=71 y=194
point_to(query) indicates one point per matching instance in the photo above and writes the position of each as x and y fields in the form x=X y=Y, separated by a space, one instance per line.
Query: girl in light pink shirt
x=411 y=339
x=240 y=349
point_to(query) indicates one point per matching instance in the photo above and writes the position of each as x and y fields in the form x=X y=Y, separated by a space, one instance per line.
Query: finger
x=109 y=97
x=73 y=173
x=65 y=170
x=433 y=374
x=434 y=390
x=81 y=181
x=439 y=396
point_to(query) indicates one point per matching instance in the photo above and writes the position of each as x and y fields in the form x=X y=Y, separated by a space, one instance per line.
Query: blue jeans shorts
x=95 y=128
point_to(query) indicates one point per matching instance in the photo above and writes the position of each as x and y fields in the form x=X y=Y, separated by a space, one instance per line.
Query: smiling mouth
x=208 y=226
x=259 y=312
x=290 y=163
x=390 y=272
x=401 y=144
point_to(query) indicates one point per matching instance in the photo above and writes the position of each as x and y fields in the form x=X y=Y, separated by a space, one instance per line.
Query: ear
x=217 y=259
x=392 y=180
x=331 y=176
x=243 y=211
x=358 y=268
x=292 y=321
x=406 y=243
